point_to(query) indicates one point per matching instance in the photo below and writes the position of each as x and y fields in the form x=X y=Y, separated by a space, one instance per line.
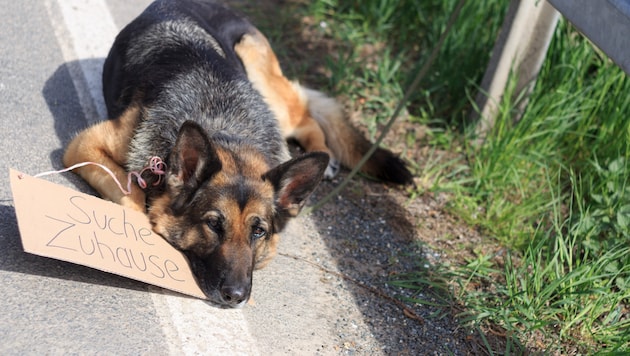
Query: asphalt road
x=52 y=52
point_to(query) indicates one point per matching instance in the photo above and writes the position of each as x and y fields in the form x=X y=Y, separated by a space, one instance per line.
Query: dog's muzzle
x=226 y=287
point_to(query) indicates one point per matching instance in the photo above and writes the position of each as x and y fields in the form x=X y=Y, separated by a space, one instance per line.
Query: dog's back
x=165 y=40
x=178 y=61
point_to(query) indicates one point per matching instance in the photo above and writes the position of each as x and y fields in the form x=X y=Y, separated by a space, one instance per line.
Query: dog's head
x=223 y=209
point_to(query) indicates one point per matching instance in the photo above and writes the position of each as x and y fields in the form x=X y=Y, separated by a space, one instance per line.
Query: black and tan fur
x=197 y=85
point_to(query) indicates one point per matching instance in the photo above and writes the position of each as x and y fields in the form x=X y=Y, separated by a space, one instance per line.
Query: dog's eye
x=214 y=224
x=258 y=232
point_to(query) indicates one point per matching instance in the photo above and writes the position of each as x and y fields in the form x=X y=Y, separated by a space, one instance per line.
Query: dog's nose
x=234 y=295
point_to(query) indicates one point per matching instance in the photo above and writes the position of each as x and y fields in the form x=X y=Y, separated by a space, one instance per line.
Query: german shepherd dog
x=197 y=85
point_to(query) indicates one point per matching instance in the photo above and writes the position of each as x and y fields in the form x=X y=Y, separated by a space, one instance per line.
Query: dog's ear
x=295 y=180
x=192 y=161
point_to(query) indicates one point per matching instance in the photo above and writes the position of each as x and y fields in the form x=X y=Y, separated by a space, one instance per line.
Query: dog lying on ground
x=197 y=85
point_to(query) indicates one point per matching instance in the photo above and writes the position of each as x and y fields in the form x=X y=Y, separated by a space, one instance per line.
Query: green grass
x=397 y=37
x=552 y=190
x=555 y=188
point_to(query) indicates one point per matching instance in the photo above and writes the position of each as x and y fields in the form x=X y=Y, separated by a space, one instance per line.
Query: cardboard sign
x=64 y=224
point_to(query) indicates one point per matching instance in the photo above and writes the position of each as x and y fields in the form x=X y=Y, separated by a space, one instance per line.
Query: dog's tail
x=348 y=145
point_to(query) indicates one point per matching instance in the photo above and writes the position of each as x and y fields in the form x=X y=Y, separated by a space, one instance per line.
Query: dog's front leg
x=107 y=143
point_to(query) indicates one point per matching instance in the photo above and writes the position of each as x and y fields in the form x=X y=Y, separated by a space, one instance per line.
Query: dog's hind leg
x=316 y=121
x=107 y=143
x=285 y=98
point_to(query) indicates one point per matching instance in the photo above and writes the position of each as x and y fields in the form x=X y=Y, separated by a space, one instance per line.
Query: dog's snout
x=234 y=295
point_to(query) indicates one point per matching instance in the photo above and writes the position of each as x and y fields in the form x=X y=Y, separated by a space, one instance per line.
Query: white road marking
x=203 y=329
x=85 y=31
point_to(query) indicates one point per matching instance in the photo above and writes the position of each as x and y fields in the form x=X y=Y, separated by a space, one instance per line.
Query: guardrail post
x=520 y=48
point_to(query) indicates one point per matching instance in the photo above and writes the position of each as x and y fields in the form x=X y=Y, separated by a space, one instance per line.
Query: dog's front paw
x=332 y=169
x=134 y=201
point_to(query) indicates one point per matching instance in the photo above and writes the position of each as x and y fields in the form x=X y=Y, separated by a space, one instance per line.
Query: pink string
x=156 y=166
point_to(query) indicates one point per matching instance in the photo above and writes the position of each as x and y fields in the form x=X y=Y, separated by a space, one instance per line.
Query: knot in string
x=156 y=166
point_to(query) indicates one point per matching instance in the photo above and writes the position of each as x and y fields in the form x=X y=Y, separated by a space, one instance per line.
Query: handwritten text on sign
x=61 y=223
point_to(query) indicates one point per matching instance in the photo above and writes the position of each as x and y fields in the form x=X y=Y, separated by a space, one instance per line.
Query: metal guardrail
x=605 y=22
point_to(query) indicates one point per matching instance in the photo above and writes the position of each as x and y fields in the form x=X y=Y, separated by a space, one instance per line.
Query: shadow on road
x=72 y=108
